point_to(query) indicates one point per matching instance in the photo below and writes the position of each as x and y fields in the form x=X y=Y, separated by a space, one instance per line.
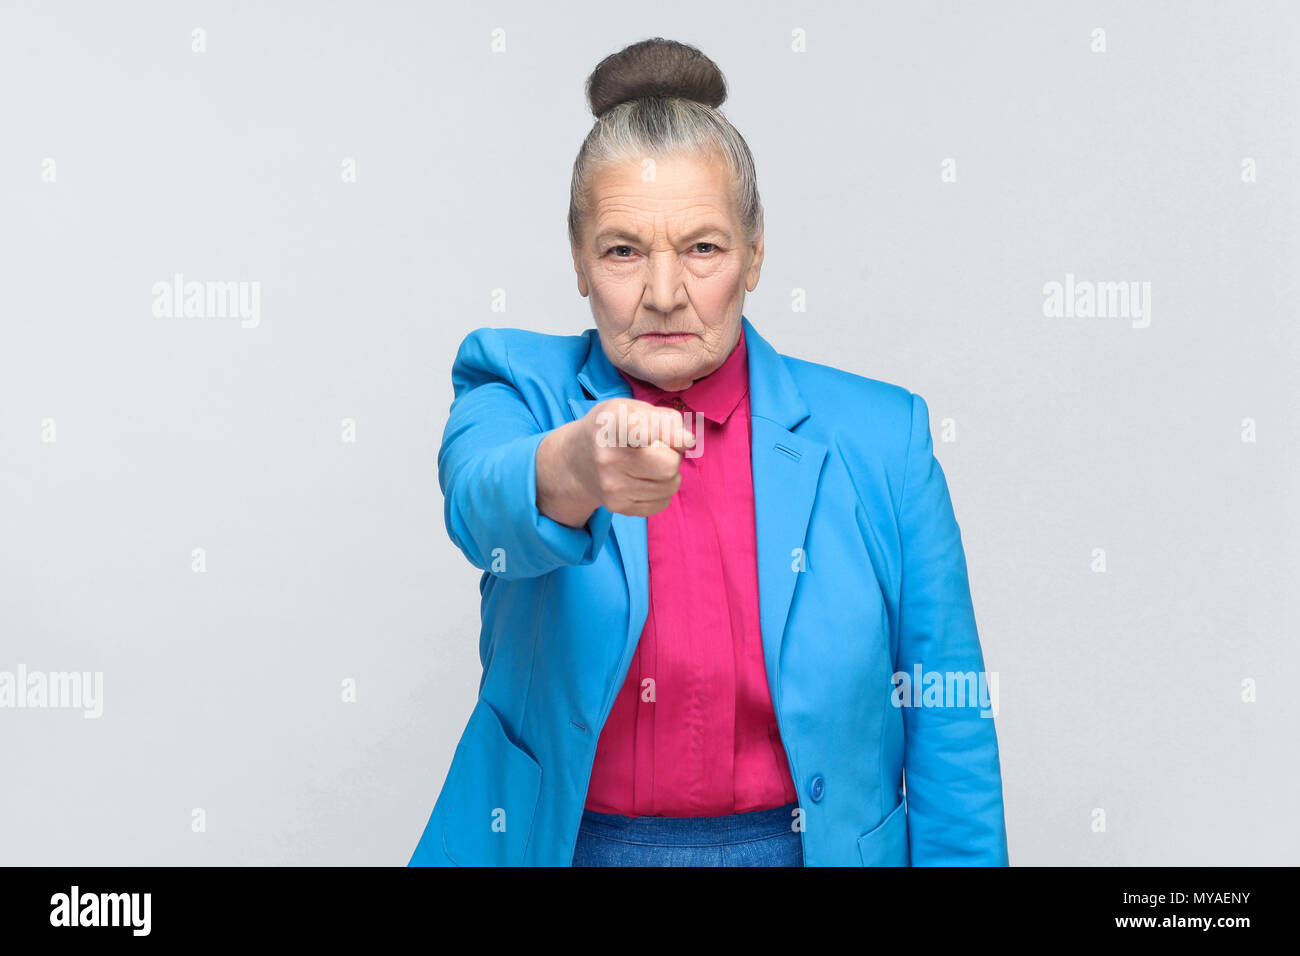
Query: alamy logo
x=101 y=909
x=631 y=429
x=946 y=689
x=72 y=690
x=179 y=299
x=1098 y=300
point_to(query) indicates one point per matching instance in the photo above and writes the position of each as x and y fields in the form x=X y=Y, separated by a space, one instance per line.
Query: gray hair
x=660 y=98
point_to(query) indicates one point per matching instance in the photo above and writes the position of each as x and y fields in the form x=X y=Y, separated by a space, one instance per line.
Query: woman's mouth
x=667 y=337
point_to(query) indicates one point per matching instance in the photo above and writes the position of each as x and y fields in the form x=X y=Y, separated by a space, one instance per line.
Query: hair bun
x=655 y=67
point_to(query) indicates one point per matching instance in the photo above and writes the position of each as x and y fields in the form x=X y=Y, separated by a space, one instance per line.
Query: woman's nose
x=665 y=280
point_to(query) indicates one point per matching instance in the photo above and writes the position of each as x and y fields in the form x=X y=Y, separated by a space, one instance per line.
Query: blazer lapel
x=786 y=468
x=600 y=380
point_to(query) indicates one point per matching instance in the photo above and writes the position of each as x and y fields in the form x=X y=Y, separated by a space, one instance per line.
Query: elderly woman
x=711 y=572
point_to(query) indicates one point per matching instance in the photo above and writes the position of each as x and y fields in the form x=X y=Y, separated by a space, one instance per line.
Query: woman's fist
x=623 y=454
x=635 y=451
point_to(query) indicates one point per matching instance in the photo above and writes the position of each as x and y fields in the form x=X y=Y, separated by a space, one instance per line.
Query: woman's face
x=666 y=267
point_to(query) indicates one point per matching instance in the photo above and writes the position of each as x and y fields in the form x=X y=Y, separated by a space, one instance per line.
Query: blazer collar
x=772 y=391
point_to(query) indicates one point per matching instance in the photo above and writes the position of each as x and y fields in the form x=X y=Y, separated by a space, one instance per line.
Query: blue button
x=817 y=789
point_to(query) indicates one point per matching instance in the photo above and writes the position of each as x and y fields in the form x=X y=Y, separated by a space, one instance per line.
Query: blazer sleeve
x=952 y=775
x=487 y=468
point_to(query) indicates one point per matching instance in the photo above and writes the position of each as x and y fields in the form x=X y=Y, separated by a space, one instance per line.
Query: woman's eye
x=626 y=252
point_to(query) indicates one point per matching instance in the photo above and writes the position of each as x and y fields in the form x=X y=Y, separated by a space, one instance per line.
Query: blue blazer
x=861 y=575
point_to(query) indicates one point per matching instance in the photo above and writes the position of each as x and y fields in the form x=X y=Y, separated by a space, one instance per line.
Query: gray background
x=328 y=560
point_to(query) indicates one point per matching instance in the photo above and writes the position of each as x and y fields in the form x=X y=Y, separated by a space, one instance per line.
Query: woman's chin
x=669 y=372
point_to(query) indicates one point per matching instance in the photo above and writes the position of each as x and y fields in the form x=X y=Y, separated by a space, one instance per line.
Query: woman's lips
x=666 y=337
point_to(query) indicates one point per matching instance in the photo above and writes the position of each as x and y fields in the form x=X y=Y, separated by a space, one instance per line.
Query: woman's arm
x=951 y=767
x=488 y=471
x=561 y=491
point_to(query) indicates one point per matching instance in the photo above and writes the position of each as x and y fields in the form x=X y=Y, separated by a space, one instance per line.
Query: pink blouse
x=692 y=731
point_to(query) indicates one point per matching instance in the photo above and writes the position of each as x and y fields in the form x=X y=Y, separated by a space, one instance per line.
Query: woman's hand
x=624 y=454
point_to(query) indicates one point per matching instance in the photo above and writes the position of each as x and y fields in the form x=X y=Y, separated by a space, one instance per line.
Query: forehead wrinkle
x=699 y=217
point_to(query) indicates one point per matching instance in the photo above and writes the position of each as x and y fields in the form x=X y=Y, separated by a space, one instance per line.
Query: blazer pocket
x=492 y=789
x=886 y=843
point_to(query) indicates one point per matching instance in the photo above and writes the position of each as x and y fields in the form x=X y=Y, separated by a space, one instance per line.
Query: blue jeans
x=757 y=838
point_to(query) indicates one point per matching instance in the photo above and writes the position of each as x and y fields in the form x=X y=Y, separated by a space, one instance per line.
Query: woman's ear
x=583 y=288
x=755 y=265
